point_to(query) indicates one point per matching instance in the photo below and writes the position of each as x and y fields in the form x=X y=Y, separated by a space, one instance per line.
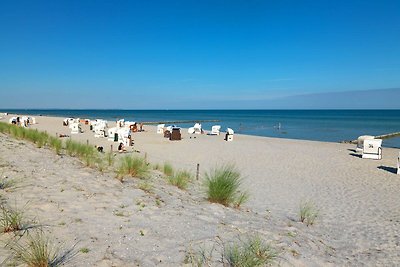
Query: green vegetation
x=222 y=186
x=252 y=252
x=86 y=153
x=133 y=166
x=167 y=169
x=198 y=258
x=180 y=179
x=56 y=144
x=84 y=250
x=110 y=158
x=39 y=251
x=10 y=219
x=308 y=212
x=6 y=183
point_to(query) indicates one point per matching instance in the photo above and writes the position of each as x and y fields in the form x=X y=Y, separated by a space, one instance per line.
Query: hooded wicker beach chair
x=215 y=130
x=372 y=149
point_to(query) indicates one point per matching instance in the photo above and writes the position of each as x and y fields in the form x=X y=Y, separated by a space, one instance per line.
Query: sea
x=317 y=125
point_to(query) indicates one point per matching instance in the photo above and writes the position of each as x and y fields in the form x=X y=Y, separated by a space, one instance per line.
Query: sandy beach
x=121 y=225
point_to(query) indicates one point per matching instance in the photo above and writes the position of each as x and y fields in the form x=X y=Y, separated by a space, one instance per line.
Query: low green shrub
x=10 y=219
x=133 y=166
x=168 y=169
x=56 y=144
x=252 y=252
x=180 y=179
x=308 y=212
x=222 y=186
x=37 y=250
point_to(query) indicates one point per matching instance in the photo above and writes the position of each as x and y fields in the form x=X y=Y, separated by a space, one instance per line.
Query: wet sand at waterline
x=121 y=225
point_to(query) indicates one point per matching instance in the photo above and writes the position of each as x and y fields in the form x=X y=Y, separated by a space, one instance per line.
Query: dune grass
x=56 y=144
x=199 y=258
x=222 y=186
x=251 y=252
x=10 y=219
x=37 y=250
x=308 y=212
x=110 y=158
x=168 y=170
x=133 y=166
x=180 y=179
x=87 y=153
x=7 y=183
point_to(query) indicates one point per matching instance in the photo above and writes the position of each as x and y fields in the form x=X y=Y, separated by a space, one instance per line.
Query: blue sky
x=194 y=54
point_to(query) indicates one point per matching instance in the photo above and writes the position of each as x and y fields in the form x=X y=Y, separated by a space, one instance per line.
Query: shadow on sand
x=355 y=155
x=389 y=169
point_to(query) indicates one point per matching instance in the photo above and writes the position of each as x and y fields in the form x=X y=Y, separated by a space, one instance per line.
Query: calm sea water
x=319 y=125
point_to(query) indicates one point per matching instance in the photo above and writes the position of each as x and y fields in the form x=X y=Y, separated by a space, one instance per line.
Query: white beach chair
x=197 y=128
x=111 y=134
x=215 y=130
x=191 y=130
x=360 y=142
x=100 y=130
x=75 y=128
x=31 y=120
x=229 y=134
x=160 y=128
x=372 y=149
x=398 y=164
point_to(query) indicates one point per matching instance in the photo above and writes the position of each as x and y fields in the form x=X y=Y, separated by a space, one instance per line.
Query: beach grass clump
x=222 y=186
x=87 y=153
x=37 y=250
x=133 y=166
x=5 y=127
x=70 y=147
x=168 y=170
x=308 y=212
x=56 y=144
x=17 y=132
x=110 y=158
x=10 y=219
x=36 y=137
x=180 y=179
x=199 y=258
x=101 y=164
x=251 y=252
x=6 y=183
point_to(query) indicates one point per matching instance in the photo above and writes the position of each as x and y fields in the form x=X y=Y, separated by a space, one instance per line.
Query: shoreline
x=110 y=123
x=308 y=125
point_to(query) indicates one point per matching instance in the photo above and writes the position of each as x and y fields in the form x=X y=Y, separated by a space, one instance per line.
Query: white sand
x=358 y=199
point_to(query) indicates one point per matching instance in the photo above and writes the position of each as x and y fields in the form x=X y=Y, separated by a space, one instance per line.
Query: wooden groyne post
x=383 y=136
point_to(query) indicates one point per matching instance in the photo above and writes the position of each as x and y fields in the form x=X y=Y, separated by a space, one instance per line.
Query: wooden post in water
x=197 y=171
